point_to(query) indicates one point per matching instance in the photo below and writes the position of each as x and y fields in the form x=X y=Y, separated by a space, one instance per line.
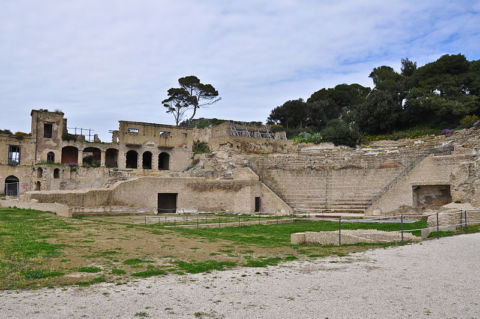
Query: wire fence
x=437 y=223
x=210 y=220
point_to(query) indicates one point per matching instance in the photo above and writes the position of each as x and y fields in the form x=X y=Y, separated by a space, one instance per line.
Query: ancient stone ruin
x=153 y=168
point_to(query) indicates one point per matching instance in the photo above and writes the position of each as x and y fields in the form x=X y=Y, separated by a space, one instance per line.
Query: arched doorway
x=11 y=186
x=132 y=159
x=163 y=161
x=111 y=157
x=70 y=155
x=38 y=186
x=51 y=157
x=91 y=156
x=147 y=160
x=56 y=173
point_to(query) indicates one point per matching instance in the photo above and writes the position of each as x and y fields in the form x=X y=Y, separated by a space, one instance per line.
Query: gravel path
x=433 y=279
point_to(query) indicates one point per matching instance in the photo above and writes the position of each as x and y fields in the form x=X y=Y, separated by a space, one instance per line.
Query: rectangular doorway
x=167 y=203
x=257 y=204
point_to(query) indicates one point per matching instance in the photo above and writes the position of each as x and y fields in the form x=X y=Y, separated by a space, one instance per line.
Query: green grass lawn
x=39 y=249
x=278 y=235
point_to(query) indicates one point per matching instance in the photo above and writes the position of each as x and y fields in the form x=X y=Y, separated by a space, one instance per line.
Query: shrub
x=447 y=132
x=469 y=121
x=200 y=147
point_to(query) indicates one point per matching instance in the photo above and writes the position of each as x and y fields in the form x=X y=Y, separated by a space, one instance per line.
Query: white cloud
x=102 y=61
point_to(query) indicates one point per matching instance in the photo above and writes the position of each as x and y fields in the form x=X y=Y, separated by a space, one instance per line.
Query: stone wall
x=194 y=194
x=433 y=170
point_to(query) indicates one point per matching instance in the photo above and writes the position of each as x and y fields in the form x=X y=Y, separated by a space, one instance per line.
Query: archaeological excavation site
x=233 y=167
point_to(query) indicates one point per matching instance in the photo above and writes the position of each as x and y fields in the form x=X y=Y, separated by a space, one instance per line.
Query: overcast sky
x=104 y=61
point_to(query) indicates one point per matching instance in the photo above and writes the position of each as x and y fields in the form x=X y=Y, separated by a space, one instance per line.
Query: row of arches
x=92 y=157
x=163 y=160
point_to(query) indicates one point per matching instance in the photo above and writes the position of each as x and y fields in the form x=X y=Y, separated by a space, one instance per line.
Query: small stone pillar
x=102 y=158
x=121 y=160
x=80 y=158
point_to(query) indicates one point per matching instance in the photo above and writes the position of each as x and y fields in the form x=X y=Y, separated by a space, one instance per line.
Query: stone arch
x=147 y=160
x=91 y=156
x=70 y=155
x=111 y=157
x=164 y=161
x=51 y=157
x=11 y=186
x=132 y=159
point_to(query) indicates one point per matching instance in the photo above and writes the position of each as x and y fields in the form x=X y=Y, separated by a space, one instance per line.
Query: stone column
x=139 y=160
x=121 y=160
x=155 y=160
x=80 y=158
x=102 y=158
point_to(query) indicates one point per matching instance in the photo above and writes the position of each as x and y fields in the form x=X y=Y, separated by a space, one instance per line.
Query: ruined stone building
x=152 y=168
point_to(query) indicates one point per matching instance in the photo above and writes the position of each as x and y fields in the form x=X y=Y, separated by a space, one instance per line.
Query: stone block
x=297 y=238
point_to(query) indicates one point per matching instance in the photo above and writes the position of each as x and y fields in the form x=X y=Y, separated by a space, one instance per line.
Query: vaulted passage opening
x=147 y=160
x=11 y=186
x=111 y=157
x=70 y=155
x=167 y=203
x=431 y=196
x=132 y=159
x=163 y=161
x=91 y=156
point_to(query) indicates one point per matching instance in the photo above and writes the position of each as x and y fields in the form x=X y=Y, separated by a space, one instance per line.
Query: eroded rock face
x=466 y=183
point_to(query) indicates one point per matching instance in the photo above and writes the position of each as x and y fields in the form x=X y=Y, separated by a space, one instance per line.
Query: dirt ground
x=433 y=279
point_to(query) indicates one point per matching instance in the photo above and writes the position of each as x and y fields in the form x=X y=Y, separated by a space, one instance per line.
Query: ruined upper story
x=141 y=133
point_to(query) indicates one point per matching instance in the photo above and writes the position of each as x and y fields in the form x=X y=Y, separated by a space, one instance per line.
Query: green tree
x=341 y=133
x=291 y=114
x=191 y=95
x=379 y=114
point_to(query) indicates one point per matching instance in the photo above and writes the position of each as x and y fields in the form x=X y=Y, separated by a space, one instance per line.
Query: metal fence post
x=466 y=225
x=401 y=219
x=438 y=228
x=340 y=231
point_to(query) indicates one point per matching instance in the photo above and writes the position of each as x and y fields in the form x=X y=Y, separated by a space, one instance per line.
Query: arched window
x=51 y=157
x=132 y=159
x=11 y=186
x=56 y=173
x=163 y=161
x=39 y=172
x=147 y=160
